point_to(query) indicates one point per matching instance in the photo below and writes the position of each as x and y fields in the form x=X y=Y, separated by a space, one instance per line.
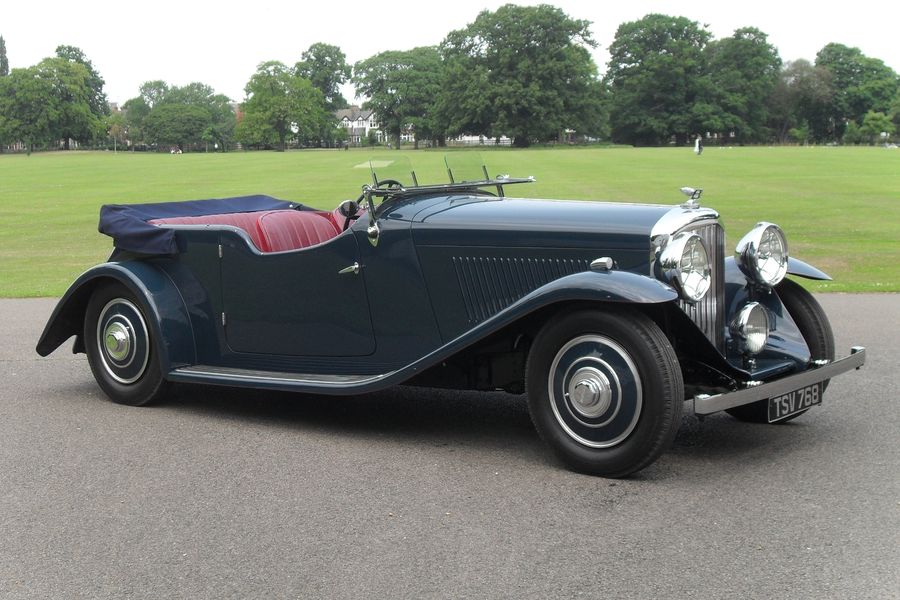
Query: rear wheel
x=813 y=324
x=604 y=391
x=120 y=348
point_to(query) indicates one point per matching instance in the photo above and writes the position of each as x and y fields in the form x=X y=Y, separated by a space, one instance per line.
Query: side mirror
x=348 y=208
x=373 y=232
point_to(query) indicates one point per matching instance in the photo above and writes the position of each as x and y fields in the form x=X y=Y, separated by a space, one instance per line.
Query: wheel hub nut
x=586 y=393
x=589 y=392
x=118 y=342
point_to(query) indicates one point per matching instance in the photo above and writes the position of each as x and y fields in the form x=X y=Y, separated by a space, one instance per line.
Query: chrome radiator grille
x=709 y=313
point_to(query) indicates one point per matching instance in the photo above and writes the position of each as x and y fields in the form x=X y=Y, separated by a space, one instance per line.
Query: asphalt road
x=423 y=494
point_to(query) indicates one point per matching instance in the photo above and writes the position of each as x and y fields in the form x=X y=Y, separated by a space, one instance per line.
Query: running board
x=276 y=380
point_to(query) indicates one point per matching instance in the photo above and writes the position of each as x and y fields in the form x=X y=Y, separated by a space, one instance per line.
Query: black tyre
x=813 y=324
x=604 y=390
x=120 y=347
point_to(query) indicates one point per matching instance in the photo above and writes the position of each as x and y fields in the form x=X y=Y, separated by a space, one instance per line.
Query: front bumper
x=705 y=404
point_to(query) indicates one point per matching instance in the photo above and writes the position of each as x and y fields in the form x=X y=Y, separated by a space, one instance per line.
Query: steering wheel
x=390 y=184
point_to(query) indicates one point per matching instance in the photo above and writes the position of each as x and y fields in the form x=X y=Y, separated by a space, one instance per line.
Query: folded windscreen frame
x=466 y=167
x=389 y=169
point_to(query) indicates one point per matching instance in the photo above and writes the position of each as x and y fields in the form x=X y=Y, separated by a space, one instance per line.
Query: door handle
x=354 y=268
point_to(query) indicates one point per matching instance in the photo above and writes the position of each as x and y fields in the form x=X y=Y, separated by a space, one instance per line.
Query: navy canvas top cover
x=127 y=224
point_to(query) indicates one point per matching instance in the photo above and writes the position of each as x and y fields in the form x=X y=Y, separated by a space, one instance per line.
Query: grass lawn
x=840 y=207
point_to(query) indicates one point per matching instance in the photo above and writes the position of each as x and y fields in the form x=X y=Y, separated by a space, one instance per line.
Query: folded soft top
x=127 y=224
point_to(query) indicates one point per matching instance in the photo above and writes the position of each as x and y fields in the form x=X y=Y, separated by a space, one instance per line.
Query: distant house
x=358 y=123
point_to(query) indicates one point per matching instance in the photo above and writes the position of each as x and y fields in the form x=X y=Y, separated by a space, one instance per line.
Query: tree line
x=61 y=98
x=525 y=73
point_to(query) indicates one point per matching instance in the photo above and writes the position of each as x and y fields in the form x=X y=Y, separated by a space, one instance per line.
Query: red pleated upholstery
x=337 y=218
x=293 y=229
x=273 y=230
x=246 y=221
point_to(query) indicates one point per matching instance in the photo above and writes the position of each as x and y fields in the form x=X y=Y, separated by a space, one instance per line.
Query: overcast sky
x=220 y=43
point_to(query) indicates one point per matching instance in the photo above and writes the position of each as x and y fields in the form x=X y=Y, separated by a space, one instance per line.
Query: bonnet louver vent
x=490 y=284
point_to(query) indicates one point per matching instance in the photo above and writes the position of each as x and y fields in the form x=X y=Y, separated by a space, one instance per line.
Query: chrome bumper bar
x=705 y=404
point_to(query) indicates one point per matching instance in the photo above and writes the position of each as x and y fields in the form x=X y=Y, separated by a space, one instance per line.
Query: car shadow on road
x=487 y=420
x=401 y=412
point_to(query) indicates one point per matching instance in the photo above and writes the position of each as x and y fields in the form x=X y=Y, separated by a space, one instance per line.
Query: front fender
x=603 y=286
x=620 y=287
x=801 y=269
x=165 y=311
x=795 y=267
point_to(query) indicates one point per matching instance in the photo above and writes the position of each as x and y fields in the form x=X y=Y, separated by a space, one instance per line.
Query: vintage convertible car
x=608 y=315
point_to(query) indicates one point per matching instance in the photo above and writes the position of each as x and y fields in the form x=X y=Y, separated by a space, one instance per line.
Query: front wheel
x=120 y=347
x=604 y=390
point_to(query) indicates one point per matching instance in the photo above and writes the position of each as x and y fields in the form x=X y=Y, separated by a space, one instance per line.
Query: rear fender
x=164 y=309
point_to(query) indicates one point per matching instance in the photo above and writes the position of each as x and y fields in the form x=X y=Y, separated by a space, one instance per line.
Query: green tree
x=860 y=84
x=97 y=98
x=135 y=111
x=116 y=128
x=71 y=97
x=153 y=92
x=744 y=70
x=221 y=120
x=658 y=82
x=895 y=111
x=26 y=114
x=799 y=101
x=176 y=124
x=280 y=104
x=326 y=67
x=799 y=134
x=424 y=81
x=852 y=134
x=521 y=71
x=874 y=124
x=401 y=87
x=4 y=61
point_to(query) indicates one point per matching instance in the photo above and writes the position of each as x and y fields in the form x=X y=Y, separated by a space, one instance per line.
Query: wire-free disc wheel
x=120 y=347
x=604 y=390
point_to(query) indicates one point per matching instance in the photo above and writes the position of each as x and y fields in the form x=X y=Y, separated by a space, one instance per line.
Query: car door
x=308 y=302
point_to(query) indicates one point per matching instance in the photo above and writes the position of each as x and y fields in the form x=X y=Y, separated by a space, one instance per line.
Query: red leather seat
x=247 y=221
x=293 y=229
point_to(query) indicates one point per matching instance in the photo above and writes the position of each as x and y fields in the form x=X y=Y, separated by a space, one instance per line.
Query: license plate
x=785 y=405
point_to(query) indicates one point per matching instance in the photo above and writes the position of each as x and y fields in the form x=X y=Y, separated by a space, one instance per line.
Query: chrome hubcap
x=589 y=392
x=122 y=341
x=118 y=341
x=595 y=391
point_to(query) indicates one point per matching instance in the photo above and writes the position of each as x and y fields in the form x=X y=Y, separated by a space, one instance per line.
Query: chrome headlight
x=762 y=254
x=685 y=265
x=751 y=327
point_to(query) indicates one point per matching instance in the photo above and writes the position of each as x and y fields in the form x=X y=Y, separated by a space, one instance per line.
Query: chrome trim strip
x=705 y=405
x=199 y=372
